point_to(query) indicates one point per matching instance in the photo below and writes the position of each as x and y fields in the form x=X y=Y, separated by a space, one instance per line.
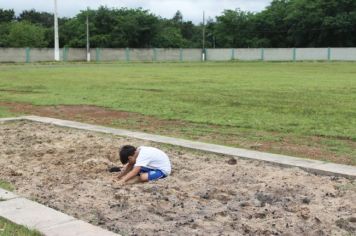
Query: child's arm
x=125 y=171
x=133 y=173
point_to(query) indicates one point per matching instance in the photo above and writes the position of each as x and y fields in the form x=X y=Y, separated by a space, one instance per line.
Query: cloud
x=191 y=9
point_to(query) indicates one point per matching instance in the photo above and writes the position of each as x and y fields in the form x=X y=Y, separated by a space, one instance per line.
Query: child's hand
x=121 y=182
x=117 y=184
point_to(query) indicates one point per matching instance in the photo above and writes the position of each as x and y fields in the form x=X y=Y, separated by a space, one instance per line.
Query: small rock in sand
x=114 y=169
x=15 y=173
x=71 y=150
x=205 y=196
x=51 y=151
x=232 y=161
x=244 y=204
x=306 y=200
x=304 y=213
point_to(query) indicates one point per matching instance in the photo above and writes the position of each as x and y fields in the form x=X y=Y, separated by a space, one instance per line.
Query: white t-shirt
x=153 y=158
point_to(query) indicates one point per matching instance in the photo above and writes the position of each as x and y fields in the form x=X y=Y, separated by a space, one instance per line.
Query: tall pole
x=56 y=35
x=203 y=54
x=204 y=30
x=88 y=41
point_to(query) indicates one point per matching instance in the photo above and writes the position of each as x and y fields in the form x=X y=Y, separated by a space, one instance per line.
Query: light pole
x=56 y=34
x=204 y=53
x=88 y=41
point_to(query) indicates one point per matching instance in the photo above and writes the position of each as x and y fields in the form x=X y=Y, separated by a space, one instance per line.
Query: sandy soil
x=207 y=194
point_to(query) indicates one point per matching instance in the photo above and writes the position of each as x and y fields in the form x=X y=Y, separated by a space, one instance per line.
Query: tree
x=323 y=23
x=169 y=36
x=113 y=28
x=284 y=23
x=270 y=27
x=25 y=34
x=178 y=18
x=233 y=28
x=4 y=31
x=41 y=18
x=7 y=15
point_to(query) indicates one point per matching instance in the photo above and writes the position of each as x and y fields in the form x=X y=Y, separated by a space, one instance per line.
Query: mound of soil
x=206 y=194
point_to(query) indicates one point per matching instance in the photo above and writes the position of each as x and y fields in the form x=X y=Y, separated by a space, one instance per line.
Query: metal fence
x=179 y=55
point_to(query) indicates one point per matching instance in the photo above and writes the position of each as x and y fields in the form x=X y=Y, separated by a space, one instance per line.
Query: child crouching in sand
x=143 y=164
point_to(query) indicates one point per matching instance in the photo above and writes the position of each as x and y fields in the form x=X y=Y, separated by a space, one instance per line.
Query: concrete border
x=46 y=220
x=314 y=166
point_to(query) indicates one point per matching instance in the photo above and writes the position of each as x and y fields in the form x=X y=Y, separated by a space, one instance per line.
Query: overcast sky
x=191 y=9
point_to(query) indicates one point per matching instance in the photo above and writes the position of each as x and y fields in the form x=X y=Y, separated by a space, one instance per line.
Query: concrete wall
x=141 y=55
x=74 y=54
x=312 y=54
x=164 y=54
x=278 y=54
x=248 y=54
x=219 y=54
x=168 y=54
x=112 y=54
x=12 y=55
x=192 y=54
x=343 y=54
x=41 y=54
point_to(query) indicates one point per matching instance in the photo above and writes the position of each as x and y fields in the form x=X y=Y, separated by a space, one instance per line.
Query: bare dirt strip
x=312 y=147
x=206 y=194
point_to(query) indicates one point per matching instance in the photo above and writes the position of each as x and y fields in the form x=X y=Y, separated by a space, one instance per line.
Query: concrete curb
x=6 y=195
x=44 y=219
x=313 y=166
x=3 y=120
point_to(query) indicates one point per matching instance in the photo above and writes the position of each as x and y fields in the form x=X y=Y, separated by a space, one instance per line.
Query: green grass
x=6 y=185
x=297 y=99
x=4 y=112
x=7 y=228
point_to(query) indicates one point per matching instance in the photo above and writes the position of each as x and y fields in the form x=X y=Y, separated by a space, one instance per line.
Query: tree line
x=284 y=23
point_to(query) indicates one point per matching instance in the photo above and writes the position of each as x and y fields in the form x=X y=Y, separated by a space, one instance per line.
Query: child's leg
x=134 y=180
x=151 y=174
x=144 y=177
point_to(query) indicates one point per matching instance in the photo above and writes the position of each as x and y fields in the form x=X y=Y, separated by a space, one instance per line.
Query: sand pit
x=207 y=194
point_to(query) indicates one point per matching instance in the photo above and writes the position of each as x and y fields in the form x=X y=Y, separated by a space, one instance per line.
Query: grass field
x=7 y=228
x=261 y=102
x=5 y=185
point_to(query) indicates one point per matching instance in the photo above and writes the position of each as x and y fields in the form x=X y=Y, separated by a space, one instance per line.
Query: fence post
x=294 y=54
x=205 y=55
x=262 y=54
x=154 y=54
x=97 y=54
x=28 y=56
x=181 y=55
x=127 y=52
x=65 y=54
x=329 y=54
x=232 y=54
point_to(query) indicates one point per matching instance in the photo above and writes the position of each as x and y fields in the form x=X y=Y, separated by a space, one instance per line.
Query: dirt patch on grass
x=206 y=194
x=92 y=114
x=305 y=146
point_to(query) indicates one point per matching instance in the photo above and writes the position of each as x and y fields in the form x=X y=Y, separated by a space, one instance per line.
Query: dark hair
x=125 y=152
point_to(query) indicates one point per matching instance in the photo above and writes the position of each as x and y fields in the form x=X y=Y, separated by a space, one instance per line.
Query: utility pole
x=56 y=35
x=88 y=41
x=203 y=54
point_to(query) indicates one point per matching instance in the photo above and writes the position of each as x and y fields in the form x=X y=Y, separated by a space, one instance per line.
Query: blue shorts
x=152 y=173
